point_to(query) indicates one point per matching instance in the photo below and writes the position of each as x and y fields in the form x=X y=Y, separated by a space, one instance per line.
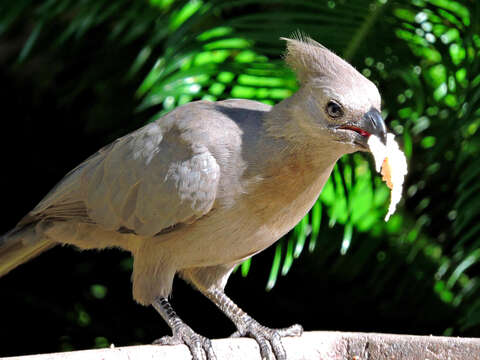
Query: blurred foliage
x=423 y=54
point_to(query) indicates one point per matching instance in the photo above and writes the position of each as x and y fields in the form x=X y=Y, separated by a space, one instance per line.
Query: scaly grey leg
x=269 y=340
x=200 y=347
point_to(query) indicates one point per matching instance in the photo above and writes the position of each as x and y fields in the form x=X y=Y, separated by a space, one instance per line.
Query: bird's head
x=334 y=100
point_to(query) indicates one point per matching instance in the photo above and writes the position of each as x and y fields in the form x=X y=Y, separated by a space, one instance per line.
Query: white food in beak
x=393 y=164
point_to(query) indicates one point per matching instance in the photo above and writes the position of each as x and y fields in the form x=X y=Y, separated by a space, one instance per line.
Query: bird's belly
x=225 y=236
x=220 y=238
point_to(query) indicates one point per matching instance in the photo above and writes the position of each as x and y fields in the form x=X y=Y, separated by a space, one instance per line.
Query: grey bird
x=207 y=186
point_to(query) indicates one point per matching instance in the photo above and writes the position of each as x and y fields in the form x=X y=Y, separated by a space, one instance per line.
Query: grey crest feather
x=310 y=59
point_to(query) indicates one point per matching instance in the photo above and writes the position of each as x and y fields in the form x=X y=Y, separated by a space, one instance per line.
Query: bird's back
x=165 y=174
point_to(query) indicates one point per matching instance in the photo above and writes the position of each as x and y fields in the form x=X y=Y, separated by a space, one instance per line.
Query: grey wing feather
x=145 y=182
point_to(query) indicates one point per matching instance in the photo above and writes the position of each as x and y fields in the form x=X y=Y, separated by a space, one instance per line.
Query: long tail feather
x=19 y=246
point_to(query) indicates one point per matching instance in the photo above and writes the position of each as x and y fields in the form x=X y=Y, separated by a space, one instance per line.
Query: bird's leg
x=200 y=347
x=268 y=339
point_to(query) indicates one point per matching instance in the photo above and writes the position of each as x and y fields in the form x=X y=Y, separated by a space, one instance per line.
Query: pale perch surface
x=312 y=345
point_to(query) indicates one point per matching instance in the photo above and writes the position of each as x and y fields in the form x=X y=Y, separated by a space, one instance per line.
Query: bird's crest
x=309 y=59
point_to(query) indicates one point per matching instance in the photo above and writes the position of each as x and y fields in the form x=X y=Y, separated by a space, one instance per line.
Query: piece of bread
x=393 y=165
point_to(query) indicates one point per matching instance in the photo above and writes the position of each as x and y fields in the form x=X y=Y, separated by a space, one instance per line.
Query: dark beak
x=372 y=123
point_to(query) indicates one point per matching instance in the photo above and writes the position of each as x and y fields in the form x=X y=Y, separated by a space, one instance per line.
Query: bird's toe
x=168 y=340
x=294 y=330
x=200 y=347
x=269 y=340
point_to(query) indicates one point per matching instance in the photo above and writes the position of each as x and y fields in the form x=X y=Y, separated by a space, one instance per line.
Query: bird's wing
x=146 y=182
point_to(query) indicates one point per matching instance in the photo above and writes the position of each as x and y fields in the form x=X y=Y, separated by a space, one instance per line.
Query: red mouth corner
x=356 y=129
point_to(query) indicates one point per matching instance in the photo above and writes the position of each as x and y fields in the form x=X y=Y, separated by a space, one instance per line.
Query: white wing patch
x=193 y=178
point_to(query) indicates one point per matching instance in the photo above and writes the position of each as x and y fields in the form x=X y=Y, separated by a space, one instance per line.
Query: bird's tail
x=20 y=245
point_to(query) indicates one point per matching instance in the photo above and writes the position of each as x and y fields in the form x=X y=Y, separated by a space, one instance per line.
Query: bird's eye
x=334 y=109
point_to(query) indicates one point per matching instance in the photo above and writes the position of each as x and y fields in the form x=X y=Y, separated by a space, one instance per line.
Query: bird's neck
x=290 y=165
x=286 y=168
x=286 y=120
x=296 y=144
x=292 y=169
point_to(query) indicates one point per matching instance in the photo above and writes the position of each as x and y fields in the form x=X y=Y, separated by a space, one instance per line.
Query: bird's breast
x=237 y=228
x=282 y=201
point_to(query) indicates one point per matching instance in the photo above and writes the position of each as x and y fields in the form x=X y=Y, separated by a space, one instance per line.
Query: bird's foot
x=200 y=347
x=269 y=340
